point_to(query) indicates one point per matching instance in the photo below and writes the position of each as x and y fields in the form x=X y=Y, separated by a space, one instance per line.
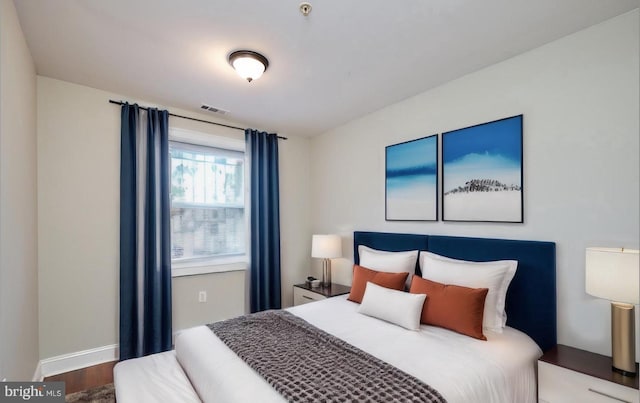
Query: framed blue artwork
x=482 y=172
x=411 y=180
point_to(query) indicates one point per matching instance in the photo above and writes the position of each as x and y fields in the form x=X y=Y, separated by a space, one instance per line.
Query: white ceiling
x=346 y=59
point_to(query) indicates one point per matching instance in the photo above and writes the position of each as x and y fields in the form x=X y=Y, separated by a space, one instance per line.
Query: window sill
x=193 y=269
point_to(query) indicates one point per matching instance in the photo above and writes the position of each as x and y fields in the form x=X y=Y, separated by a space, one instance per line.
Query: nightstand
x=567 y=374
x=303 y=293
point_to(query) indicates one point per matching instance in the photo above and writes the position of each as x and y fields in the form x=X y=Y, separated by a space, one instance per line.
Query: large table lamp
x=326 y=247
x=614 y=274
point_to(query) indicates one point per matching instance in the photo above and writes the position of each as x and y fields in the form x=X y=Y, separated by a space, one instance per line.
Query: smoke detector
x=305 y=8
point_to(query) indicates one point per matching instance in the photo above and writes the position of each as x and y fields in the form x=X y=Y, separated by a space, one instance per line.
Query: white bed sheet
x=154 y=378
x=462 y=369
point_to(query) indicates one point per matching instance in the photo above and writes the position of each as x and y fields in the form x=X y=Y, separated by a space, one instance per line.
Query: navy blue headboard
x=531 y=298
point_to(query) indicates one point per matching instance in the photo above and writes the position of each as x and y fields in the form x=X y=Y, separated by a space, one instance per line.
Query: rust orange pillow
x=453 y=307
x=361 y=275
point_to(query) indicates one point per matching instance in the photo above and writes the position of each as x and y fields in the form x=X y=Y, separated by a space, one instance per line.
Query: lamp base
x=326 y=272
x=623 y=372
x=623 y=338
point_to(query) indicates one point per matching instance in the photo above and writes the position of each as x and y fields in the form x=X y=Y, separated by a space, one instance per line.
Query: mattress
x=462 y=369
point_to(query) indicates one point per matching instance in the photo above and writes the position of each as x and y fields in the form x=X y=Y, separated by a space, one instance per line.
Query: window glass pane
x=207 y=202
x=206 y=232
x=206 y=179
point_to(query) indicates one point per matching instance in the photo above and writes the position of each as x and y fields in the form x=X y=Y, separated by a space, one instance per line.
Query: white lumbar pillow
x=495 y=275
x=397 y=307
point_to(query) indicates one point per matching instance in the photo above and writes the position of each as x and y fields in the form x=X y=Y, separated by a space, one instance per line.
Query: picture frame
x=482 y=172
x=411 y=180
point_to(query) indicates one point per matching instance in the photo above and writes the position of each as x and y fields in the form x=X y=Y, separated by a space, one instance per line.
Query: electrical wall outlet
x=202 y=296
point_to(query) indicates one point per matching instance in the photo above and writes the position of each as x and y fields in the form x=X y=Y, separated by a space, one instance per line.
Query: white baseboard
x=37 y=375
x=80 y=359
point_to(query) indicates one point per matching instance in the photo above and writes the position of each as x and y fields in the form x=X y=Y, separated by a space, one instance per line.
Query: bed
x=461 y=369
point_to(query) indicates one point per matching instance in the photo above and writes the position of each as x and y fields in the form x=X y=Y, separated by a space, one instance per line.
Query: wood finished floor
x=85 y=378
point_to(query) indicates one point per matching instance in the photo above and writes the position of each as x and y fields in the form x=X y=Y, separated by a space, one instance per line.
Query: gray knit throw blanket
x=306 y=364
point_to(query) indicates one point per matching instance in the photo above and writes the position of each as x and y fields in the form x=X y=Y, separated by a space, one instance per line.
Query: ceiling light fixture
x=248 y=64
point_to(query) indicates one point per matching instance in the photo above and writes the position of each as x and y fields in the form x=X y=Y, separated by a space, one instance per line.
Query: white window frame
x=223 y=263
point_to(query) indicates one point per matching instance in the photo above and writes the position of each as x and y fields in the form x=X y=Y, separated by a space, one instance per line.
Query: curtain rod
x=190 y=118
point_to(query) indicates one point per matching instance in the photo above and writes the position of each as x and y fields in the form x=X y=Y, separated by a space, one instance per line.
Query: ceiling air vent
x=213 y=109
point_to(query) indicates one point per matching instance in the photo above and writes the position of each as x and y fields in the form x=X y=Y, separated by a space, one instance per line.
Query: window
x=207 y=203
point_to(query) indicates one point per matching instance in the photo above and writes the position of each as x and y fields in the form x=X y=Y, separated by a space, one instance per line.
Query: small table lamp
x=326 y=247
x=614 y=274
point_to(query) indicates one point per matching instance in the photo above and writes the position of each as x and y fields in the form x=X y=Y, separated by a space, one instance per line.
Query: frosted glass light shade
x=326 y=246
x=248 y=64
x=613 y=274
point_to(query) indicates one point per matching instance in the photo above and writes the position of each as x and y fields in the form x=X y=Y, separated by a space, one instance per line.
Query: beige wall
x=78 y=222
x=225 y=298
x=18 y=215
x=579 y=96
x=295 y=213
x=78 y=207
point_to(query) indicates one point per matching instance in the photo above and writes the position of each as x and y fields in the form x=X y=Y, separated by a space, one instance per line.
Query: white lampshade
x=326 y=246
x=613 y=274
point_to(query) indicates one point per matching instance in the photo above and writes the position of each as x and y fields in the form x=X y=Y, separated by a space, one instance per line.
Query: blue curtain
x=262 y=151
x=145 y=259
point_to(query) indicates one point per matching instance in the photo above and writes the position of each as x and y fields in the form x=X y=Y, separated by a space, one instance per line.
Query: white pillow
x=495 y=275
x=390 y=262
x=398 y=307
